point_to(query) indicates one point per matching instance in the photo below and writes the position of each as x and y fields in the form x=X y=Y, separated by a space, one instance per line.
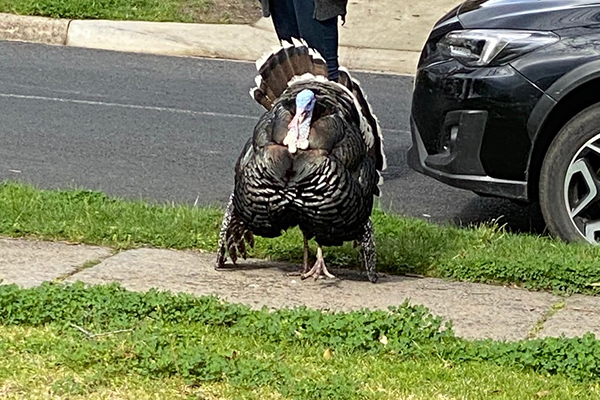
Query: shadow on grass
x=513 y=216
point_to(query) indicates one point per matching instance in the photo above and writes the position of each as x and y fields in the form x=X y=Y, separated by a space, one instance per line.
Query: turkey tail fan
x=353 y=86
x=278 y=68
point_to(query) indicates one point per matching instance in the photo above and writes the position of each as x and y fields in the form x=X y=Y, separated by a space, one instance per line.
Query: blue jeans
x=294 y=18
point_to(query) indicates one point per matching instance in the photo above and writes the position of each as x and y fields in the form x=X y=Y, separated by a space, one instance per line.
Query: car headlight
x=483 y=47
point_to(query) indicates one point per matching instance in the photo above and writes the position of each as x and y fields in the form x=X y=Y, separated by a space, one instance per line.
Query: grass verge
x=485 y=254
x=178 y=346
x=198 y=11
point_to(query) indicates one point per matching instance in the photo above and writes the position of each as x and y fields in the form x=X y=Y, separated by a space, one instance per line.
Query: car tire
x=569 y=186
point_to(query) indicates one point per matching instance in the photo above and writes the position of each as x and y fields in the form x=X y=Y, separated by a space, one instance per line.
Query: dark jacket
x=324 y=9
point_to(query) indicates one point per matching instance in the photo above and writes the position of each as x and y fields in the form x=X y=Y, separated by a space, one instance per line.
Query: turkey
x=314 y=161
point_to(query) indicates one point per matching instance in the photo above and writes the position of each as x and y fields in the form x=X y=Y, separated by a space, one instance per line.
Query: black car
x=507 y=103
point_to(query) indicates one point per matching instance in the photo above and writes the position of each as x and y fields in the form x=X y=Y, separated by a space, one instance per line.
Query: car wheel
x=570 y=179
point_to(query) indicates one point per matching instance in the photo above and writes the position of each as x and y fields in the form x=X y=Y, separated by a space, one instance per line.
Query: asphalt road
x=170 y=129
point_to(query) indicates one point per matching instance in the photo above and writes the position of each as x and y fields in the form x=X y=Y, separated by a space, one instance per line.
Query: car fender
x=548 y=106
x=557 y=91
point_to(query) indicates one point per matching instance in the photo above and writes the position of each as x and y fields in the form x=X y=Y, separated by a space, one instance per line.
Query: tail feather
x=283 y=58
x=273 y=75
x=259 y=95
x=319 y=64
x=300 y=58
x=278 y=68
x=365 y=108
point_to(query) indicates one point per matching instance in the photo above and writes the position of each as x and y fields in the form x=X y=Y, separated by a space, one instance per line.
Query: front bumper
x=469 y=126
x=448 y=172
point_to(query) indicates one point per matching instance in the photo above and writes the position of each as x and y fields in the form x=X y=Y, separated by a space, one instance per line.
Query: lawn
x=198 y=11
x=104 y=342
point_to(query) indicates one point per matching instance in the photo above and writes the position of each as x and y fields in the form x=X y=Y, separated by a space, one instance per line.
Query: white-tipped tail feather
x=278 y=68
x=366 y=110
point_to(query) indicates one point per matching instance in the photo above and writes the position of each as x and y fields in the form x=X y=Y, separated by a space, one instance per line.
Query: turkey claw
x=319 y=270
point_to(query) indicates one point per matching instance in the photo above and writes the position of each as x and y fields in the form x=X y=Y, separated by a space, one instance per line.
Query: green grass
x=42 y=374
x=404 y=245
x=207 y=11
x=159 y=345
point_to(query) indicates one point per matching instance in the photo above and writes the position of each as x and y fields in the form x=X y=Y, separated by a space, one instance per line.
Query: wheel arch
x=567 y=97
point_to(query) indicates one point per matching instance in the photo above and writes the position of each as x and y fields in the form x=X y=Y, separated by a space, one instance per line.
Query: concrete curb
x=33 y=29
x=169 y=38
x=181 y=39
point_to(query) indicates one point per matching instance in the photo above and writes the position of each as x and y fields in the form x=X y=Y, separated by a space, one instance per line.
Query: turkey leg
x=305 y=266
x=367 y=251
x=221 y=253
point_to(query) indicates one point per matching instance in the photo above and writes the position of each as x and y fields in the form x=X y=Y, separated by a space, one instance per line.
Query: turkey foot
x=319 y=269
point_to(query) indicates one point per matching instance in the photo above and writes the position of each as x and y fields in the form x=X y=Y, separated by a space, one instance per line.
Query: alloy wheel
x=582 y=190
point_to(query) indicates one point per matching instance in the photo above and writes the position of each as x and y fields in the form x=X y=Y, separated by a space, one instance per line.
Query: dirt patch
x=223 y=11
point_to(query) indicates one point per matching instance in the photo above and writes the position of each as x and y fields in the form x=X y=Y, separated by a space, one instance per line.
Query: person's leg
x=321 y=35
x=284 y=19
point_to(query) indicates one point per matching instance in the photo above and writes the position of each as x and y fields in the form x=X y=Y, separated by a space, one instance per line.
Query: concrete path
x=379 y=35
x=477 y=311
